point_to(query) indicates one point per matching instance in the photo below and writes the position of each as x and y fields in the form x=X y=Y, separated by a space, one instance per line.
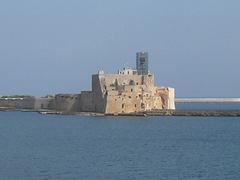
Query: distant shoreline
x=207 y=100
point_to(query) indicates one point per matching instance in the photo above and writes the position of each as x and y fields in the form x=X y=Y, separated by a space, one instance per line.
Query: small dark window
x=122 y=106
x=131 y=90
x=135 y=105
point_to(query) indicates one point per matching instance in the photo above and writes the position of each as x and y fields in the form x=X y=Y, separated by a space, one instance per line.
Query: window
x=131 y=90
x=122 y=106
x=131 y=82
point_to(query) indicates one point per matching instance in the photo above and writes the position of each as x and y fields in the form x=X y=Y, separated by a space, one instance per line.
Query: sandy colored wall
x=109 y=79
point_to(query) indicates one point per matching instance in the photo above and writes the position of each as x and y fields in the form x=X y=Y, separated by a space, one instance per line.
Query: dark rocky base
x=179 y=112
x=186 y=112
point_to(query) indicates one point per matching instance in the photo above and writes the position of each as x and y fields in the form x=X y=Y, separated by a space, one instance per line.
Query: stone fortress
x=127 y=91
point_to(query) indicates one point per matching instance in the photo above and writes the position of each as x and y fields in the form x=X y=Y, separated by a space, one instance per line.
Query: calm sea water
x=38 y=147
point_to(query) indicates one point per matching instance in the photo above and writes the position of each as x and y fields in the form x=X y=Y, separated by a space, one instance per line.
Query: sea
x=59 y=147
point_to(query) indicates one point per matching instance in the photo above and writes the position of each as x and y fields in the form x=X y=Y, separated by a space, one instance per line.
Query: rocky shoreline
x=178 y=112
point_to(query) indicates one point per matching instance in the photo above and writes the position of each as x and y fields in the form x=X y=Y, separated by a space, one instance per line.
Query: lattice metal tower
x=142 y=69
x=142 y=63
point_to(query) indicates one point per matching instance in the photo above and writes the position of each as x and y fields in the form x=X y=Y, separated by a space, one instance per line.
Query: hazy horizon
x=50 y=47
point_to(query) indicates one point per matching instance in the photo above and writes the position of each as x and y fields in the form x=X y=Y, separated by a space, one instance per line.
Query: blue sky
x=53 y=46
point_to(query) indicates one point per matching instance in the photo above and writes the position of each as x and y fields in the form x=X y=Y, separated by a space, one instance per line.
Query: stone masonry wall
x=68 y=102
x=24 y=103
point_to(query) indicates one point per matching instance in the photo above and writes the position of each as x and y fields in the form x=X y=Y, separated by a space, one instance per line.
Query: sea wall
x=67 y=102
x=99 y=99
x=44 y=103
x=87 y=102
x=31 y=103
x=83 y=102
x=17 y=103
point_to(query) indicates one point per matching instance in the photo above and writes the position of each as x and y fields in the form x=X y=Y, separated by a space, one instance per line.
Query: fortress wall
x=99 y=98
x=17 y=103
x=149 y=80
x=128 y=99
x=110 y=79
x=171 y=100
x=157 y=102
x=67 y=102
x=86 y=102
x=167 y=95
x=129 y=102
x=44 y=103
x=125 y=103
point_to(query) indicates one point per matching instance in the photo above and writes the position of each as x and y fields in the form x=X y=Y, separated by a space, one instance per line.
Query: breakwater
x=185 y=112
x=207 y=100
x=178 y=112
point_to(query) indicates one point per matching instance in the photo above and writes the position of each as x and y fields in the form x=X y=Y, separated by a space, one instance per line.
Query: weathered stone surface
x=31 y=103
x=17 y=103
x=128 y=92
x=124 y=92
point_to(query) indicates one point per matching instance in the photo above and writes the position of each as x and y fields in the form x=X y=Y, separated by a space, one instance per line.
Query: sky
x=54 y=46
